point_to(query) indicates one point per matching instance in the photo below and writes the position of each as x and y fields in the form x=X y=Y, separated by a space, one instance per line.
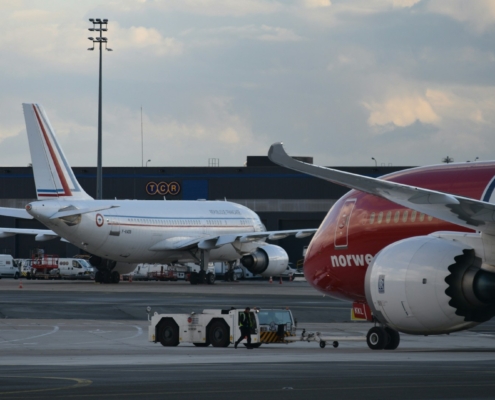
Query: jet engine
x=428 y=285
x=267 y=260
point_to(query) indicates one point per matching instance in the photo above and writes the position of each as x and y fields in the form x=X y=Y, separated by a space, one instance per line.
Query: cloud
x=263 y=33
x=317 y=3
x=478 y=15
x=138 y=38
x=211 y=8
x=37 y=40
x=401 y=111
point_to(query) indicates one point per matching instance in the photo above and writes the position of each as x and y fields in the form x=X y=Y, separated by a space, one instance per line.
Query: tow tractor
x=216 y=327
x=220 y=328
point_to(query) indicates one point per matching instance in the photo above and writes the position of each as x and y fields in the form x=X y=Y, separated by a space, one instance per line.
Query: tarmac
x=68 y=339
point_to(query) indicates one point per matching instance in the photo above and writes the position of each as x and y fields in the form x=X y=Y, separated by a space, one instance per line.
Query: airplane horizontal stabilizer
x=15 y=213
x=41 y=234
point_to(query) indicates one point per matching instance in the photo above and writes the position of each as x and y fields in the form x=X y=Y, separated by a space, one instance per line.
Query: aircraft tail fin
x=53 y=175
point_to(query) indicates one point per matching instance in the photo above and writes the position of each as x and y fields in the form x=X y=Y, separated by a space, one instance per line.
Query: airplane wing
x=41 y=234
x=215 y=242
x=462 y=211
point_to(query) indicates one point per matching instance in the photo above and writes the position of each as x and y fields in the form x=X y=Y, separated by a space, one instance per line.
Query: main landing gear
x=203 y=276
x=230 y=275
x=107 y=277
x=105 y=272
x=382 y=338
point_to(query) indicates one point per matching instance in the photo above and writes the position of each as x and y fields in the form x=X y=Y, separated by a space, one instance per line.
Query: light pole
x=376 y=164
x=147 y=162
x=98 y=27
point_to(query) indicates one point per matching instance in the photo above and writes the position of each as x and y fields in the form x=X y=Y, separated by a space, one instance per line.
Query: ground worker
x=245 y=325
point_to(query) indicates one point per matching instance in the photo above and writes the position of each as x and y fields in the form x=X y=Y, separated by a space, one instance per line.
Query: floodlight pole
x=98 y=27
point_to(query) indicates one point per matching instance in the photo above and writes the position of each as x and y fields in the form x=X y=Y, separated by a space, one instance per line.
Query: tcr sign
x=162 y=188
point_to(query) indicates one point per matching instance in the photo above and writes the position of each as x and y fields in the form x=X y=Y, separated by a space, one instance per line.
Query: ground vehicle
x=46 y=266
x=8 y=268
x=216 y=327
x=276 y=325
x=24 y=265
x=75 y=268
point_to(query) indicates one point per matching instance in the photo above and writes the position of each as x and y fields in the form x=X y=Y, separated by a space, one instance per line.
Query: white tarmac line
x=55 y=330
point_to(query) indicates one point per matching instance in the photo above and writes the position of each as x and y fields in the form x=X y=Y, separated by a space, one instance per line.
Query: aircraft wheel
x=322 y=344
x=377 y=338
x=168 y=333
x=115 y=277
x=335 y=344
x=210 y=278
x=394 y=339
x=219 y=334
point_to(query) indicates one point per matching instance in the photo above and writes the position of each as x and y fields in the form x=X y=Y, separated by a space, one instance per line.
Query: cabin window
x=404 y=216
x=380 y=217
x=430 y=218
x=389 y=216
x=396 y=216
x=413 y=216
x=421 y=217
x=372 y=218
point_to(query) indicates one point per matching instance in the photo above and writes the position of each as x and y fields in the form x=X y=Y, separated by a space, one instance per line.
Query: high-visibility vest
x=245 y=322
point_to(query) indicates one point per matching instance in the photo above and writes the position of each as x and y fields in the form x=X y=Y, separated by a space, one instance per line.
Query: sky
x=407 y=82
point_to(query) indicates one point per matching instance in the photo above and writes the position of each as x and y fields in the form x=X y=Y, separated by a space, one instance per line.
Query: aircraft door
x=342 y=228
x=114 y=226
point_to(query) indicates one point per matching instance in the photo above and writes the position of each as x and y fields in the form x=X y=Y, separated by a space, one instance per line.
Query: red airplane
x=414 y=250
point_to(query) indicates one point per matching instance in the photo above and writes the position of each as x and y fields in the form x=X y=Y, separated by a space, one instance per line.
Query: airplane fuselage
x=360 y=225
x=148 y=231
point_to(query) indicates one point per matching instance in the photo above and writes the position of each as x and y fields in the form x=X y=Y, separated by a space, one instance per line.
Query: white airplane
x=122 y=233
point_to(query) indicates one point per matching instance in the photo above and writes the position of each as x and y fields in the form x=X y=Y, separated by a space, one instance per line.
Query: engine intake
x=428 y=285
x=268 y=260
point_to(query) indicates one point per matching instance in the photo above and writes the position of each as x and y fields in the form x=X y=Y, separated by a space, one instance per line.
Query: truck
x=219 y=328
x=47 y=266
x=75 y=268
x=8 y=267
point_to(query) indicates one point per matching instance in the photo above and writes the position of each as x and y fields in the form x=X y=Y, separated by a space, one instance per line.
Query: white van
x=8 y=268
x=75 y=268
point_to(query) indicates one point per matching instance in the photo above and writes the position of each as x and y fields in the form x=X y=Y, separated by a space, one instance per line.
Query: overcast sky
x=405 y=81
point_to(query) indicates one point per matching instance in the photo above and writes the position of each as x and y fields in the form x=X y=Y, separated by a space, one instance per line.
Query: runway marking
x=55 y=329
x=139 y=333
x=79 y=383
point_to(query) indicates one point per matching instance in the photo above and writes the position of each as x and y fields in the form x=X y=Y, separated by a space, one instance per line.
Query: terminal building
x=284 y=199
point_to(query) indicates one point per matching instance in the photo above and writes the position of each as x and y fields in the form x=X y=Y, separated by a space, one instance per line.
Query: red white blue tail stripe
x=52 y=173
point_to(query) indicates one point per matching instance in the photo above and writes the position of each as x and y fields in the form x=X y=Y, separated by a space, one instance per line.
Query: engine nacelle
x=427 y=285
x=267 y=260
